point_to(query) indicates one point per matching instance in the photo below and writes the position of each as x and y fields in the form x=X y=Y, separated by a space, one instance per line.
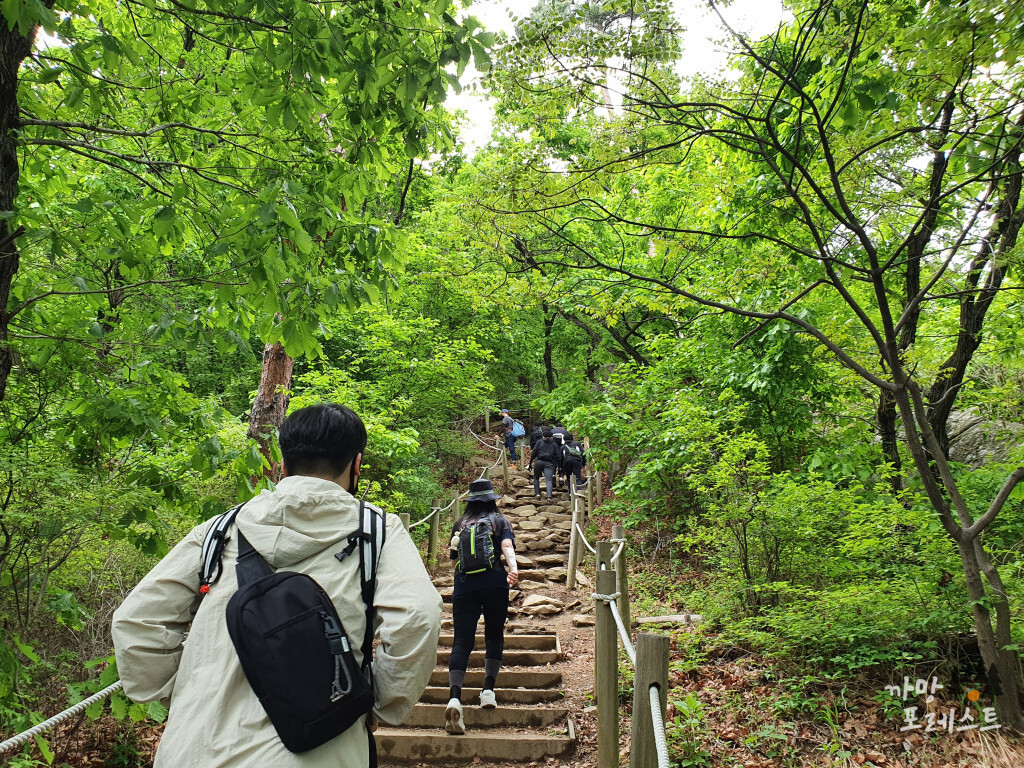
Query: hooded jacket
x=215 y=720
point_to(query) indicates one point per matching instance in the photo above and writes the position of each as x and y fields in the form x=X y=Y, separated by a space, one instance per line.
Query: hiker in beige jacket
x=215 y=720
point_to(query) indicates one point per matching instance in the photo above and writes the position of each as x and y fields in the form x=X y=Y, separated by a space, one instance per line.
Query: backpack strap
x=250 y=564
x=213 y=548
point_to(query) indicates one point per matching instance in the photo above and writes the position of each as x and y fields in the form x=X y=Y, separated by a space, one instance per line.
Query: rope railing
x=31 y=733
x=579 y=532
x=482 y=441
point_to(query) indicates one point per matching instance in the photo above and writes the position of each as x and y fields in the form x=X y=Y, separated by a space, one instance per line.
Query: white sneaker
x=453 y=718
x=487 y=700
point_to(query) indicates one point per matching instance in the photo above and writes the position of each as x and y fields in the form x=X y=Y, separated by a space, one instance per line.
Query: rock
x=529 y=586
x=583 y=579
x=481 y=461
x=591 y=710
x=519 y=482
x=513 y=594
x=541 y=545
x=553 y=508
x=564 y=526
x=548 y=560
x=583 y=621
x=541 y=610
x=530 y=525
x=444 y=581
x=532 y=600
x=981 y=440
x=526 y=510
x=557 y=574
x=508 y=501
x=524 y=562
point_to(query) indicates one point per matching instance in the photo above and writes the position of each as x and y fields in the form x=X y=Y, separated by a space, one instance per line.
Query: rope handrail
x=474 y=434
x=660 y=741
x=501 y=455
x=60 y=717
x=618 y=551
x=584 y=539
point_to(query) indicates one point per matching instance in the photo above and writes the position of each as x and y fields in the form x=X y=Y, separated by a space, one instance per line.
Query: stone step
x=414 y=745
x=507 y=678
x=432 y=715
x=439 y=694
x=511 y=628
x=512 y=658
x=513 y=642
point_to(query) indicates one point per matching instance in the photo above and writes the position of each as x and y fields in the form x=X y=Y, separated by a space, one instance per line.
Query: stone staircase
x=530 y=723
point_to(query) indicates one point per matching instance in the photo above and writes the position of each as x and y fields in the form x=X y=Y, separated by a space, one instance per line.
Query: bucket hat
x=482 y=490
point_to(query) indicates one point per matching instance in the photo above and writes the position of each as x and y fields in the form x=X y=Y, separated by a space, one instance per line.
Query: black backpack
x=546 y=451
x=476 y=546
x=290 y=640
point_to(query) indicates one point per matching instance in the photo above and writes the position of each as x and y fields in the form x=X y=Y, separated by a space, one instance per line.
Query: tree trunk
x=271 y=403
x=13 y=50
x=885 y=415
x=549 y=323
x=931 y=465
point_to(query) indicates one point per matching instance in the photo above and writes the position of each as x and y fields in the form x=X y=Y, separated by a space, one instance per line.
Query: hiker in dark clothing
x=558 y=435
x=535 y=437
x=545 y=461
x=574 y=459
x=481 y=590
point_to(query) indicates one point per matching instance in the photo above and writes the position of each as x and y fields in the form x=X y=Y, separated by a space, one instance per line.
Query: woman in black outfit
x=484 y=592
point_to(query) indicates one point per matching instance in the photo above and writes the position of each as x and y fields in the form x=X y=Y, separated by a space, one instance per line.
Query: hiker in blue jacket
x=480 y=538
x=507 y=424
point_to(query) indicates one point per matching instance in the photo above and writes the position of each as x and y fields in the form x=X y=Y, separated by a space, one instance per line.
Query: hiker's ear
x=357 y=463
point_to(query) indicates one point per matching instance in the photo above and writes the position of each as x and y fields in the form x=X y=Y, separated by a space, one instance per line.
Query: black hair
x=569 y=438
x=475 y=510
x=546 y=432
x=321 y=439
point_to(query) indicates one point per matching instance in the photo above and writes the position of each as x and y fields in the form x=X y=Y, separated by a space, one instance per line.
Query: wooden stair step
x=475 y=716
x=507 y=678
x=438 y=694
x=414 y=745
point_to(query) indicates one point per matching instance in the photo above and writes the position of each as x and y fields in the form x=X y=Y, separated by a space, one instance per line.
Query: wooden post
x=577 y=518
x=651 y=668
x=597 y=488
x=487 y=419
x=404 y=516
x=605 y=550
x=606 y=675
x=504 y=468
x=574 y=543
x=622 y=569
x=456 y=511
x=590 y=496
x=432 y=539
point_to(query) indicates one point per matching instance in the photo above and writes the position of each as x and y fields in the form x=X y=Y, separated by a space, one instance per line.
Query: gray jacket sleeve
x=408 y=623
x=149 y=627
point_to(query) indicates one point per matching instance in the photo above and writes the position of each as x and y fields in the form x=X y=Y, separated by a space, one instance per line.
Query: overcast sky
x=701 y=52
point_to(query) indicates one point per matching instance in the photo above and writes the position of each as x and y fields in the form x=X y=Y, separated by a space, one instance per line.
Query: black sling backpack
x=290 y=640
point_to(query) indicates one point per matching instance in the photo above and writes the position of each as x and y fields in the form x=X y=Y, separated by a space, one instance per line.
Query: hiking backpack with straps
x=574 y=449
x=518 y=430
x=290 y=641
x=477 y=553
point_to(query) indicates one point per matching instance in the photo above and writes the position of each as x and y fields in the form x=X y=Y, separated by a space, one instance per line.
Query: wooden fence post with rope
x=432 y=537
x=619 y=533
x=574 y=537
x=606 y=668
x=652 y=652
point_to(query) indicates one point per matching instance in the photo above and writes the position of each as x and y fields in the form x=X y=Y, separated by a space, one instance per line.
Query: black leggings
x=466 y=610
